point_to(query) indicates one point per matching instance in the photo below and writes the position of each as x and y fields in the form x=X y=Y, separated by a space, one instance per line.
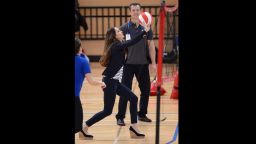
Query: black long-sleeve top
x=117 y=57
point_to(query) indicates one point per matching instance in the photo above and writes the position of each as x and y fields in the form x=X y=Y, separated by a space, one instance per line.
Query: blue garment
x=82 y=67
x=85 y=56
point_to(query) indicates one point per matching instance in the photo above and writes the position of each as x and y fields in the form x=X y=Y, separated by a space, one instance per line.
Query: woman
x=113 y=59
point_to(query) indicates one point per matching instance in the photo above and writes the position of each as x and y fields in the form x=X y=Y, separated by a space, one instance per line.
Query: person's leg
x=79 y=120
x=144 y=84
x=125 y=92
x=78 y=115
x=109 y=101
x=127 y=81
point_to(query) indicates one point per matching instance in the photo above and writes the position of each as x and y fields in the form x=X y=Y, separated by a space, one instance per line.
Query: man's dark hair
x=134 y=4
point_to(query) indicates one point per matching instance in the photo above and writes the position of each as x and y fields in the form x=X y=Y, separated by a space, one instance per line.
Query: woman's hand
x=103 y=85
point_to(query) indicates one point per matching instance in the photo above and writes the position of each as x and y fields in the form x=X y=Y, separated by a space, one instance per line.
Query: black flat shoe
x=120 y=122
x=144 y=119
x=83 y=135
x=135 y=134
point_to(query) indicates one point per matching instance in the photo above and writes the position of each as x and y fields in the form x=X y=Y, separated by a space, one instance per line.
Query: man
x=137 y=64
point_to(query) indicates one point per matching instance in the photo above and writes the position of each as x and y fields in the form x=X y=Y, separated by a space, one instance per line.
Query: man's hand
x=153 y=66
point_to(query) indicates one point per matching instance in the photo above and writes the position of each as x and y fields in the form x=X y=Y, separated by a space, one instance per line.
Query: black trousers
x=78 y=115
x=115 y=87
x=142 y=75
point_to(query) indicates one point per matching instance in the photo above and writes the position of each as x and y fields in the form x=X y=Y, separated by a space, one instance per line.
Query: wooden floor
x=107 y=132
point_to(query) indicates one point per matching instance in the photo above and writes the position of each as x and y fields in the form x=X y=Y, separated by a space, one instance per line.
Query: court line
x=175 y=135
x=135 y=140
x=117 y=135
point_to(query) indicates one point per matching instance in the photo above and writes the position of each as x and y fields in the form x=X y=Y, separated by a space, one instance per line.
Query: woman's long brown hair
x=109 y=40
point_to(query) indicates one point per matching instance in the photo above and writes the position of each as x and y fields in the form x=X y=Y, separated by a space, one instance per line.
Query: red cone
x=153 y=89
x=175 y=90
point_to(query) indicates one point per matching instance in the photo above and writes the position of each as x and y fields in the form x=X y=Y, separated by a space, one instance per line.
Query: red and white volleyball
x=145 y=17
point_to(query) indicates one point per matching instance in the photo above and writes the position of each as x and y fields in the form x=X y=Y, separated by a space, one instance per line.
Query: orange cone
x=175 y=90
x=153 y=89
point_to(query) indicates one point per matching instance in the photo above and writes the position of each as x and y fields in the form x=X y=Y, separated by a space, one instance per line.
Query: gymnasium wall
x=95 y=47
x=122 y=2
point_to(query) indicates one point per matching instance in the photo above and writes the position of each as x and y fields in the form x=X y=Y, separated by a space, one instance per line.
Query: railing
x=99 y=19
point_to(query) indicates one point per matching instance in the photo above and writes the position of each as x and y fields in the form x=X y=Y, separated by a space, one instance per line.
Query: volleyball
x=145 y=17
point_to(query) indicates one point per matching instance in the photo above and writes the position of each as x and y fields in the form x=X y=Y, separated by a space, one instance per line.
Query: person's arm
x=133 y=41
x=92 y=81
x=136 y=39
x=152 y=49
x=88 y=75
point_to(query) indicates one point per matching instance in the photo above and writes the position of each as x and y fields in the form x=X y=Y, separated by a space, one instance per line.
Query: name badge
x=128 y=37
